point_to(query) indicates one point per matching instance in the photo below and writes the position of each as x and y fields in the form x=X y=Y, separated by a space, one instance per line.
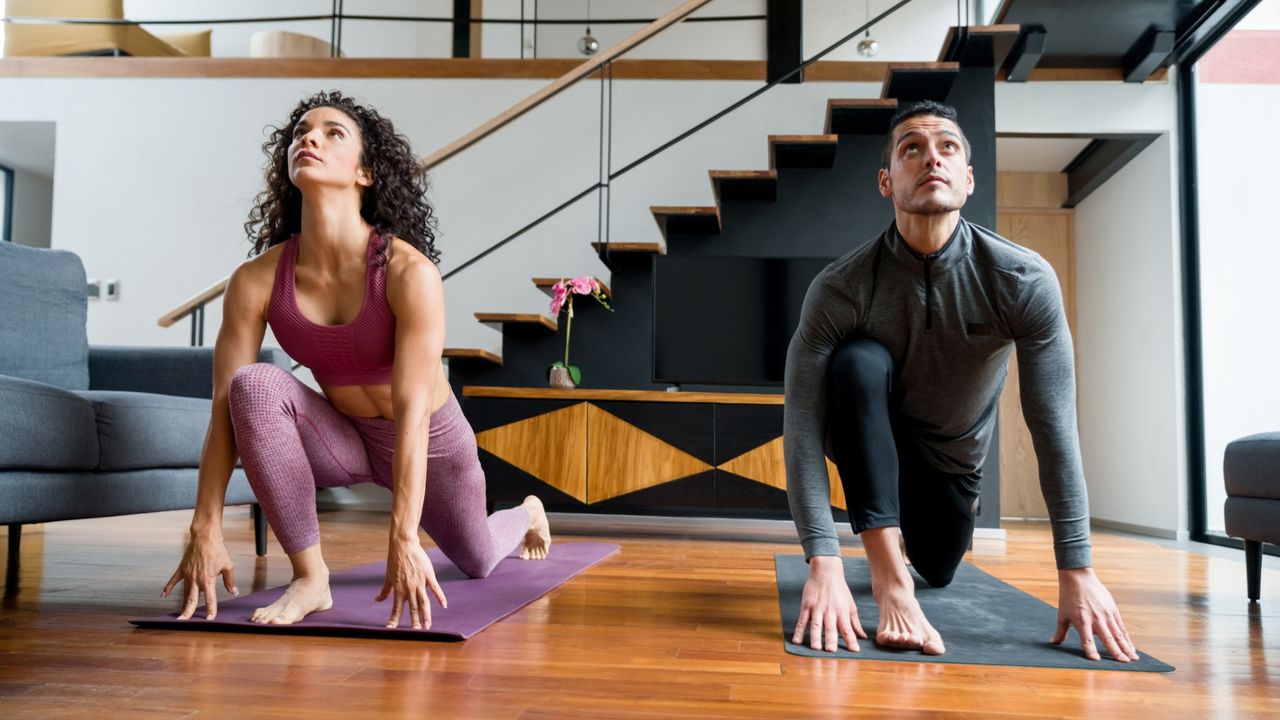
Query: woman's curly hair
x=395 y=203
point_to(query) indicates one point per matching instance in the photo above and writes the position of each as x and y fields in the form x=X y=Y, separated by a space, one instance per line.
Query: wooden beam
x=1101 y=159
x=1025 y=55
x=1147 y=54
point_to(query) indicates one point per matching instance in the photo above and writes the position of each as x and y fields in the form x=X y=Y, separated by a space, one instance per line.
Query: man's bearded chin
x=932 y=205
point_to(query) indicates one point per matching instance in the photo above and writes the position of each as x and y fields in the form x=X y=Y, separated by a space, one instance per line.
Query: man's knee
x=861 y=363
x=938 y=573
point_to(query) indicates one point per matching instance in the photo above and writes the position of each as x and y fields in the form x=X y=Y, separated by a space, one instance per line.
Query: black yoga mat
x=982 y=620
x=474 y=604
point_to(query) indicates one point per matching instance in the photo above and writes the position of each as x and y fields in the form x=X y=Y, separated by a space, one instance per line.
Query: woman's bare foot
x=305 y=595
x=903 y=624
x=537 y=542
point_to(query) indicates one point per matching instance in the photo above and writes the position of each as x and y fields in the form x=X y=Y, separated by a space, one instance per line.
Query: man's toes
x=934 y=646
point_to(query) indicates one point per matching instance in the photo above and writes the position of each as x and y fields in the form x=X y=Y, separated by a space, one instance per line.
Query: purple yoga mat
x=473 y=604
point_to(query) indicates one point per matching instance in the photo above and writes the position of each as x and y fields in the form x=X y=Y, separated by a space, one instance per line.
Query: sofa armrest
x=182 y=371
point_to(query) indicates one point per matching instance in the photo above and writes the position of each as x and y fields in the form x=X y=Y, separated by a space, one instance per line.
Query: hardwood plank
x=630 y=395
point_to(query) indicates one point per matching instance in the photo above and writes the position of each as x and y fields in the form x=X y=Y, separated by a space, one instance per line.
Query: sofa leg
x=1253 y=568
x=259 y=531
x=11 y=570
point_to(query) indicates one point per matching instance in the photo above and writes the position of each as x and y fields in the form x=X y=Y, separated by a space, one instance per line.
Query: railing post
x=197 y=326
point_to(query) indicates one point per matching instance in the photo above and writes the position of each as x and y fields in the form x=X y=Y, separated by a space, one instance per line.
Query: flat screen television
x=726 y=320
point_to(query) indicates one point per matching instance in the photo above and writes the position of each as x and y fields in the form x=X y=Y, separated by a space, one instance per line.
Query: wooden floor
x=670 y=627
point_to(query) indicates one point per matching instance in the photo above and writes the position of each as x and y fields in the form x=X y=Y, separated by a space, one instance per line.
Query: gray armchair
x=94 y=431
x=1251 y=468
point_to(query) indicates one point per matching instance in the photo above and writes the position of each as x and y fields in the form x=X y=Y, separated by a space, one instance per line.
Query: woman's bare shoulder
x=252 y=281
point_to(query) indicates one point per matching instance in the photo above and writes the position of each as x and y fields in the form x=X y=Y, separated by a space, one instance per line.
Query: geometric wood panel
x=550 y=447
x=622 y=458
x=767 y=465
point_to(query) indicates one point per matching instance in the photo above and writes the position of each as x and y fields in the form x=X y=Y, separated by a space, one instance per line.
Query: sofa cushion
x=1253 y=519
x=43 y=307
x=143 y=430
x=1251 y=466
x=43 y=427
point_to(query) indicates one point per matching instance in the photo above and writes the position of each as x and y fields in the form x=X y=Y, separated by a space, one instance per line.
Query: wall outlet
x=93 y=289
x=111 y=289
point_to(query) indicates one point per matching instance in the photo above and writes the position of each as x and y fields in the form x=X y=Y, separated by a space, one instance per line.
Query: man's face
x=929 y=172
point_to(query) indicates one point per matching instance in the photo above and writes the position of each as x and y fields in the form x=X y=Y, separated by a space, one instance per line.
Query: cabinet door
x=750 y=470
x=532 y=447
x=649 y=455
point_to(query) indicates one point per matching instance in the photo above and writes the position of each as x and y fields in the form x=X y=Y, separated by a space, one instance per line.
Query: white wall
x=1239 y=251
x=154 y=178
x=1129 y=306
x=32 y=208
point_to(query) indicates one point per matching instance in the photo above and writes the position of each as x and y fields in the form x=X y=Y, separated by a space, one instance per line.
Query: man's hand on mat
x=1085 y=604
x=202 y=562
x=827 y=609
x=409 y=574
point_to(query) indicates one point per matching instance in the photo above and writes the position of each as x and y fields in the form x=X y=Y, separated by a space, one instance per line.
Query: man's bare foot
x=305 y=595
x=537 y=542
x=903 y=624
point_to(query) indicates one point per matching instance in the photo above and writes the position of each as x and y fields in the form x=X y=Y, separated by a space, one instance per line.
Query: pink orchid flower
x=561 y=294
x=583 y=285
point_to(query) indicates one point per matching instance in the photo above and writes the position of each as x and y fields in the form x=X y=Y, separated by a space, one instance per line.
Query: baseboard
x=1163 y=533
x=705 y=527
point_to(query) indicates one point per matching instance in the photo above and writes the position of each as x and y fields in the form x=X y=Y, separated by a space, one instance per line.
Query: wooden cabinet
x=634 y=451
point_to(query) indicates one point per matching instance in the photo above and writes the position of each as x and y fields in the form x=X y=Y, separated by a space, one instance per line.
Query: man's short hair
x=915 y=109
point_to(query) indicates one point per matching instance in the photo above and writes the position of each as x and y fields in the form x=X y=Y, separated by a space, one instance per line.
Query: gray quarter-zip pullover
x=950 y=320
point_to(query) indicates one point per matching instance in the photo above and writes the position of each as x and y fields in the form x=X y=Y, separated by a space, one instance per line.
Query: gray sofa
x=1251 y=468
x=88 y=431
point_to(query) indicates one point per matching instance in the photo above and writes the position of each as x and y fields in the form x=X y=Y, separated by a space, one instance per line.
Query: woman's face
x=326 y=151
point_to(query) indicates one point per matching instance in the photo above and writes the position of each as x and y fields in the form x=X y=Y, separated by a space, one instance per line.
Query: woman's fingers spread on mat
x=382 y=594
x=229 y=580
x=437 y=591
x=192 y=599
x=210 y=598
x=425 y=603
x=173 y=580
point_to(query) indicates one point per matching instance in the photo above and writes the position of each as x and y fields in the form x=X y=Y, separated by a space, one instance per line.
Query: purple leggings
x=291 y=441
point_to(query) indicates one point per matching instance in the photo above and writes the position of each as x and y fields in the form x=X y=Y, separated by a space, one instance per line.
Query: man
x=897 y=366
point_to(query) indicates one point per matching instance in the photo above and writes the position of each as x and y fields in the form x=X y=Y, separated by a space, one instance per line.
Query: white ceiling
x=27 y=146
x=1037 y=154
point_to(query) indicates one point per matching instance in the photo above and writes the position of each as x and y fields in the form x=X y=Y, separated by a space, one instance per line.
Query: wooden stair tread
x=682 y=210
x=632 y=247
x=523 y=318
x=992 y=46
x=691 y=220
x=875 y=114
x=807 y=151
x=919 y=81
x=472 y=354
x=545 y=285
x=744 y=185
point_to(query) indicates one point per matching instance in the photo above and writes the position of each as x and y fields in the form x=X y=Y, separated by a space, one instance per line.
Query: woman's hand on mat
x=409 y=575
x=203 y=561
x=1085 y=604
x=827 y=610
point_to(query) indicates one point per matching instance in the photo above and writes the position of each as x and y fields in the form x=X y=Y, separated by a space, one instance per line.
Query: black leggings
x=886 y=481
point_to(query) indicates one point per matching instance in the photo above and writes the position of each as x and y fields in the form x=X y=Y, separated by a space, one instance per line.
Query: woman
x=345 y=276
